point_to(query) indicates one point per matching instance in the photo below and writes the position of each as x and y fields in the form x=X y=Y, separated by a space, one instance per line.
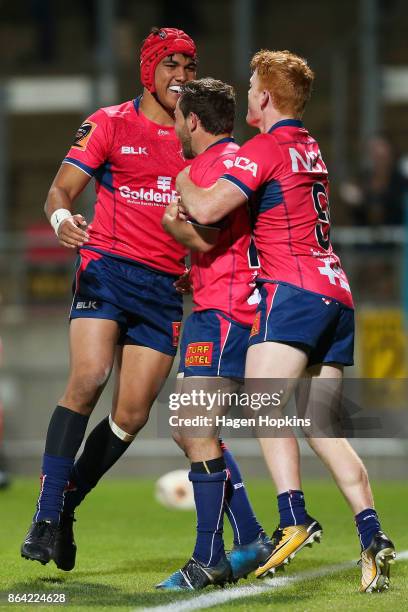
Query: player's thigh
x=139 y=377
x=275 y=360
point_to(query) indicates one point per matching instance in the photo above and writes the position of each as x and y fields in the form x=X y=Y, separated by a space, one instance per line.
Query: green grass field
x=127 y=543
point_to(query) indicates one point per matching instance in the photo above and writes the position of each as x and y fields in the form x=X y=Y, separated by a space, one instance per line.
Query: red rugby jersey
x=292 y=229
x=224 y=277
x=135 y=162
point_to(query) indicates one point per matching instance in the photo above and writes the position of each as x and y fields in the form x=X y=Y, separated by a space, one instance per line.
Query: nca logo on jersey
x=246 y=164
x=134 y=151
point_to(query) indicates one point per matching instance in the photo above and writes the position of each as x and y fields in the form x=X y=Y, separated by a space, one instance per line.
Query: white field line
x=208 y=600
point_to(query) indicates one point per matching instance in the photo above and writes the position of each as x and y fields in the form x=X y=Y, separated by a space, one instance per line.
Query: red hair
x=287 y=77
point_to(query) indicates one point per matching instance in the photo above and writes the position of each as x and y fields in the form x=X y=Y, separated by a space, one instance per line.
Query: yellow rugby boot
x=375 y=564
x=287 y=542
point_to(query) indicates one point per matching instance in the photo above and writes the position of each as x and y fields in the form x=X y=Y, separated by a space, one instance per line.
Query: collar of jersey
x=285 y=122
x=221 y=141
x=136 y=105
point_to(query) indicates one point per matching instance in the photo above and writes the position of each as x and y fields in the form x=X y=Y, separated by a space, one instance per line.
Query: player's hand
x=72 y=232
x=182 y=213
x=182 y=177
x=171 y=211
x=183 y=283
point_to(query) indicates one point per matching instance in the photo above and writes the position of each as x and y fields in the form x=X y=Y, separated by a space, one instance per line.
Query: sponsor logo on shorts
x=88 y=305
x=83 y=135
x=176 y=332
x=256 y=325
x=199 y=354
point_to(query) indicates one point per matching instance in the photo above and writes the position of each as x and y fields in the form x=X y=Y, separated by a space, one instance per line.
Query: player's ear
x=264 y=99
x=193 y=121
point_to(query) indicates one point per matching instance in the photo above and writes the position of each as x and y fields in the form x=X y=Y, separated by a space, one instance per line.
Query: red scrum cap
x=160 y=43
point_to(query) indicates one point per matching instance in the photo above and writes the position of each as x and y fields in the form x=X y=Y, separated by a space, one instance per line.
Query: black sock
x=65 y=432
x=209 y=467
x=64 y=436
x=102 y=450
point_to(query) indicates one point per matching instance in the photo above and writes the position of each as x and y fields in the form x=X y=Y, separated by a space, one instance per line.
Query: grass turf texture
x=127 y=543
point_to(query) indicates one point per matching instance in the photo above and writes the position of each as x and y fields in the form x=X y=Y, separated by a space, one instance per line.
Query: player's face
x=255 y=93
x=183 y=133
x=173 y=70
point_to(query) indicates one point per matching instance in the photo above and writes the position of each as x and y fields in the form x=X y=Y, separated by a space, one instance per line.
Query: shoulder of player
x=218 y=155
x=121 y=111
x=258 y=143
x=215 y=163
x=113 y=113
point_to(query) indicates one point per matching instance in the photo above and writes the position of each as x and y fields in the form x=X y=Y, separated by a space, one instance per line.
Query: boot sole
x=383 y=559
x=31 y=557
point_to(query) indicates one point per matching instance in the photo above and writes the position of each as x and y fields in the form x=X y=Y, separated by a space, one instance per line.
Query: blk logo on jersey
x=88 y=305
x=83 y=135
x=199 y=354
x=134 y=151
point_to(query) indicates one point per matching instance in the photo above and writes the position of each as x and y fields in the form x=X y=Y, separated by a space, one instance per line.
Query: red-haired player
x=304 y=324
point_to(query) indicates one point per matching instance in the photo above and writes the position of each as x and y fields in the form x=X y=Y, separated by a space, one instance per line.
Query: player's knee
x=130 y=421
x=179 y=440
x=85 y=388
x=193 y=447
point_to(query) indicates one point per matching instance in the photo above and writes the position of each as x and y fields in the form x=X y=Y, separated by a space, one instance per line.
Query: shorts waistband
x=263 y=281
x=133 y=262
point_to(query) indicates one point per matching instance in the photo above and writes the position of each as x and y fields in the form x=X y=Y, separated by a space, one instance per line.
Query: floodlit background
x=60 y=61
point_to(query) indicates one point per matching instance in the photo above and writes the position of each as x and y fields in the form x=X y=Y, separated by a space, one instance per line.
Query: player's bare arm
x=67 y=185
x=194 y=237
x=211 y=204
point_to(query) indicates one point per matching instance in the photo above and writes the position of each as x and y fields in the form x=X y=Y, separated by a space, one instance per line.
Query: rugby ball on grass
x=174 y=490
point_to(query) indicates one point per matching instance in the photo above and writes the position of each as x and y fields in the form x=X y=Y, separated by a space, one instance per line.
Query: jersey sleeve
x=255 y=163
x=92 y=143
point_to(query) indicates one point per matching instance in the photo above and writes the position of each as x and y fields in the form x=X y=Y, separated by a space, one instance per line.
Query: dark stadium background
x=59 y=61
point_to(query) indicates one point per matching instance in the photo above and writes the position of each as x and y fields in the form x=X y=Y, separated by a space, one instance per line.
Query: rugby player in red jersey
x=214 y=341
x=304 y=324
x=125 y=304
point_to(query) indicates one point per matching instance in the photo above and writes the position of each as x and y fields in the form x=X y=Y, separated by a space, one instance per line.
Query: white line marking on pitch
x=208 y=600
